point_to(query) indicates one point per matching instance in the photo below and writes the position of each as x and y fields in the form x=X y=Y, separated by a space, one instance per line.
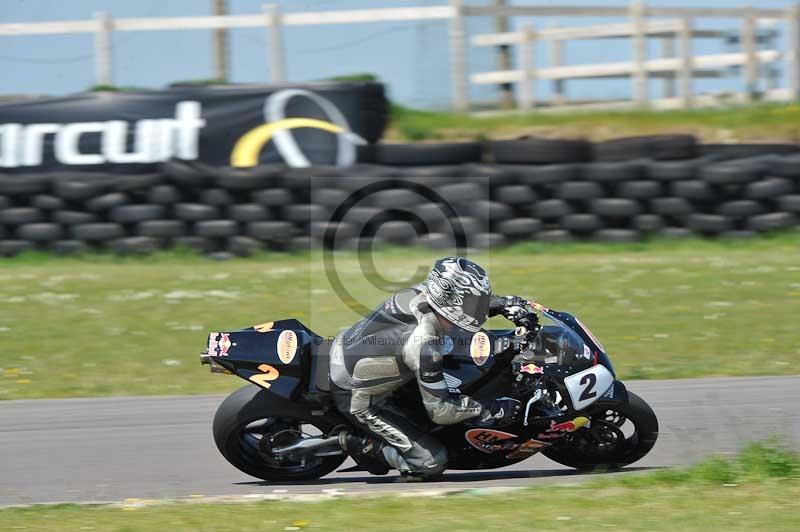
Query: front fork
x=561 y=423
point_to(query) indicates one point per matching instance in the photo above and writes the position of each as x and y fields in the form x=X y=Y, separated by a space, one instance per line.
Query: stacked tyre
x=534 y=189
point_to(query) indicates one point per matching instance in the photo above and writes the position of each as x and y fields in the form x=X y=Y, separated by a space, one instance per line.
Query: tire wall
x=497 y=193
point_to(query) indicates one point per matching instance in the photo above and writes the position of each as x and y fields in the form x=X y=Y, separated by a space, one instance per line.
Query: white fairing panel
x=588 y=386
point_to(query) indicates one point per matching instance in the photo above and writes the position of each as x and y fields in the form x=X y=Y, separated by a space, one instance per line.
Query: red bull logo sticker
x=287 y=346
x=480 y=348
x=557 y=430
x=219 y=344
x=491 y=441
x=224 y=344
x=531 y=369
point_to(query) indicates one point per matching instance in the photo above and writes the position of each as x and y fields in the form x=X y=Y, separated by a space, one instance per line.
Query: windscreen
x=558 y=344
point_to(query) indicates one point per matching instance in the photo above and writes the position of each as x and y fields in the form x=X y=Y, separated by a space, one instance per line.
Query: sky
x=411 y=57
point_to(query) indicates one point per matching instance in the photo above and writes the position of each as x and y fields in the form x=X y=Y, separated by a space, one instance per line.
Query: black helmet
x=459 y=290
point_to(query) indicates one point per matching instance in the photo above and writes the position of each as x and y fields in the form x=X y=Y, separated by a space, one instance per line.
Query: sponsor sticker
x=538 y=306
x=610 y=393
x=480 y=348
x=557 y=430
x=587 y=353
x=224 y=344
x=531 y=369
x=526 y=449
x=212 y=343
x=490 y=441
x=453 y=383
x=264 y=327
x=287 y=346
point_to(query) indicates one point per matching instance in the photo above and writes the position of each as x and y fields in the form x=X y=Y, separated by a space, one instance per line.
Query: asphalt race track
x=109 y=449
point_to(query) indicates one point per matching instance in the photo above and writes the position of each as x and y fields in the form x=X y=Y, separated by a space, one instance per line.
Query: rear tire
x=575 y=453
x=249 y=405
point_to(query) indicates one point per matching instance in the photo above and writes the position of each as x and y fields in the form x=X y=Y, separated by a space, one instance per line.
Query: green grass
x=754 y=123
x=760 y=490
x=101 y=325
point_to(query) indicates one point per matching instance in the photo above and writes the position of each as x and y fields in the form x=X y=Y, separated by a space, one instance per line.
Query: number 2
x=269 y=374
x=590 y=379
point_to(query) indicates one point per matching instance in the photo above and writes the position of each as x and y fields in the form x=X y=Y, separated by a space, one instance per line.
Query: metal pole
x=458 y=57
x=793 y=53
x=277 y=64
x=506 y=99
x=639 y=52
x=102 y=48
x=687 y=67
x=220 y=43
x=751 y=61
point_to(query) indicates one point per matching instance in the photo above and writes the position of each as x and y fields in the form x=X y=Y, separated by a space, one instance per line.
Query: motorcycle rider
x=404 y=338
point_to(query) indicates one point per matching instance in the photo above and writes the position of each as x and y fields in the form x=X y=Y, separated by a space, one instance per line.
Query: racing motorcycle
x=284 y=425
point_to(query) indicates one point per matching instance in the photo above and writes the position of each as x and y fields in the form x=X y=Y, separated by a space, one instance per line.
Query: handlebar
x=529 y=320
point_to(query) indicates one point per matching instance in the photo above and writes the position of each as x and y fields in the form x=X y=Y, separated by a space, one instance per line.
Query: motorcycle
x=284 y=425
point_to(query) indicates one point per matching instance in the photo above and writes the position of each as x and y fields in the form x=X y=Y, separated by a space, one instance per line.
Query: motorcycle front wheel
x=248 y=425
x=619 y=434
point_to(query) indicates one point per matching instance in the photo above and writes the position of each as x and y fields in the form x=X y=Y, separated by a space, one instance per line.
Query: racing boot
x=365 y=451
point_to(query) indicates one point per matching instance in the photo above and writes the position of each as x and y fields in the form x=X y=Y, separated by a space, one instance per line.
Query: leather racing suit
x=398 y=341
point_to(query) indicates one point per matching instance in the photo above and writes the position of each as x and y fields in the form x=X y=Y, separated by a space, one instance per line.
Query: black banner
x=226 y=125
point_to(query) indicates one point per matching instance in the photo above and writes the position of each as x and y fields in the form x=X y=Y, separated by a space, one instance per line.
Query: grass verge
x=102 y=325
x=755 y=123
x=759 y=490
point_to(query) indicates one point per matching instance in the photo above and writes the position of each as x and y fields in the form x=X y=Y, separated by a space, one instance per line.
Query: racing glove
x=509 y=307
x=499 y=413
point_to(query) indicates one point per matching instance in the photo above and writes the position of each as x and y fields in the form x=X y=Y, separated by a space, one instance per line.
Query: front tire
x=605 y=445
x=248 y=416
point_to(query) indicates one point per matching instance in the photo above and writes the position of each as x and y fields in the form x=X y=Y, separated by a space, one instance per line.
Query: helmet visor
x=470 y=315
x=477 y=307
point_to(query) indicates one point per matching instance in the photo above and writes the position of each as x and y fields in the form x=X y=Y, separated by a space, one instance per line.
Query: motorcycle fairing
x=257 y=345
x=253 y=355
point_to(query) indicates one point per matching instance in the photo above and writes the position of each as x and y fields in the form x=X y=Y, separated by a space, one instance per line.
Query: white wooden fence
x=671 y=25
x=684 y=67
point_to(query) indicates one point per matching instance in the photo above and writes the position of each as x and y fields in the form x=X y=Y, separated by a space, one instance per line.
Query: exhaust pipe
x=307 y=445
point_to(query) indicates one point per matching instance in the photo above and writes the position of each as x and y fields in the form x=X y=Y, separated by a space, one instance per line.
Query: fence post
x=277 y=70
x=686 y=71
x=793 y=52
x=637 y=15
x=751 y=61
x=668 y=51
x=220 y=40
x=506 y=99
x=557 y=59
x=527 y=64
x=458 y=56
x=102 y=48
x=771 y=72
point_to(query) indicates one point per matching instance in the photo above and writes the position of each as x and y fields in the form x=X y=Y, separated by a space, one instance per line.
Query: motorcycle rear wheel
x=247 y=416
x=605 y=446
